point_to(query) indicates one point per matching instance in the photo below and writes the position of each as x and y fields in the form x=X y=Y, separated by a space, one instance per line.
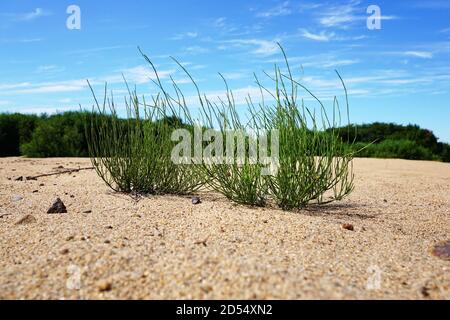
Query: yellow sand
x=166 y=248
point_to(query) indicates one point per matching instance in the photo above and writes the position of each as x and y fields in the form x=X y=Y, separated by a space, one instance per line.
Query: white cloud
x=325 y=36
x=195 y=50
x=220 y=22
x=261 y=47
x=344 y=15
x=339 y=15
x=235 y=75
x=29 y=16
x=14 y=85
x=186 y=35
x=309 y=6
x=224 y=26
x=322 y=36
x=136 y=75
x=49 y=69
x=54 y=87
x=282 y=9
x=339 y=63
x=419 y=54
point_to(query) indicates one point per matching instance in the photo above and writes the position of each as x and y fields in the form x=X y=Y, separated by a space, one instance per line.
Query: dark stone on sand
x=348 y=226
x=57 y=207
x=196 y=200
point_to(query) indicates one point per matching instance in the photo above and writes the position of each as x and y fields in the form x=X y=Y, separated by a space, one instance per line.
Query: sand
x=111 y=246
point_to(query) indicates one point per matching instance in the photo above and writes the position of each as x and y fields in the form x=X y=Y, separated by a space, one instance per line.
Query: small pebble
x=64 y=251
x=348 y=226
x=104 y=286
x=57 y=207
x=196 y=200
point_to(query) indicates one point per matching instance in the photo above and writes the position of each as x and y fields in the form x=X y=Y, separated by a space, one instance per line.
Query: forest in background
x=63 y=135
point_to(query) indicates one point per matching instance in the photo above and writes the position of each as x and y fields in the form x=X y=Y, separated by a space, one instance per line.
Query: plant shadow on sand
x=339 y=210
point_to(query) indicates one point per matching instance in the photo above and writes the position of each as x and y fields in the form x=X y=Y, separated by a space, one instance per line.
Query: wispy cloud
x=135 y=75
x=340 y=63
x=223 y=25
x=194 y=50
x=326 y=36
x=27 y=16
x=236 y=75
x=99 y=49
x=322 y=36
x=344 y=15
x=309 y=6
x=49 y=69
x=37 y=13
x=282 y=9
x=419 y=54
x=10 y=86
x=339 y=15
x=186 y=35
x=51 y=87
x=259 y=47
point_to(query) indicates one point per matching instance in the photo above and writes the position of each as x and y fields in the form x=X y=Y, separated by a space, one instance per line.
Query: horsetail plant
x=308 y=161
x=134 y=154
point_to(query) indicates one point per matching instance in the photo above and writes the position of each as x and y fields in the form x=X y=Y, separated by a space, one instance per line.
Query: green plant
x=134 y=155
x=312 y=160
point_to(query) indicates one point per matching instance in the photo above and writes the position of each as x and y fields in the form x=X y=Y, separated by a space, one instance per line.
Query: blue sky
x=399 y=73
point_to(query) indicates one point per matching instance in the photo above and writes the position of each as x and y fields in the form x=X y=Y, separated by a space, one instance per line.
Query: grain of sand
x=110 y=246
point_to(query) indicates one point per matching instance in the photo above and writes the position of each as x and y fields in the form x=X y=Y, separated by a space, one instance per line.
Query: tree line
x=63 y=135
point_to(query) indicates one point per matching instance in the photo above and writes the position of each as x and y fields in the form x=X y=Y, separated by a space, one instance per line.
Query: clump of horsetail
x=311 y=162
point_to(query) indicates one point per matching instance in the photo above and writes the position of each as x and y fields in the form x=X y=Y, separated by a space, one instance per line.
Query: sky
x=397 y=72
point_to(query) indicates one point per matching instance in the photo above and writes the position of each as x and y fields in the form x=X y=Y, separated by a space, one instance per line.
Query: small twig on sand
x=58 y=173
x=203 y=242
x=4 y=215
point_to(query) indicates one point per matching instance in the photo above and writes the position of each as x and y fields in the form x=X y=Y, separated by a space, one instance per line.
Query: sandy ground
x=168 y=248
